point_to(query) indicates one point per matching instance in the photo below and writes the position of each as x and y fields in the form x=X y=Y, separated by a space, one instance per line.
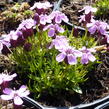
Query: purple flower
x=58 y=17
x=75 y=32
x=70 y=54
x=26 y=27
x=16 y=95
x=5 y=50
x=27 y=33
x=27 y=46
x=88 y=9
x=87 y=55
x=41 y=7
x=53 y=29
x=59 y=42
x=4 y=39
x=97 y=26
x=28 y=24
x=86 y=18
x=4 y=77
x=4 y=44
x=12 y=35
x=45 y=19
x=36 y=18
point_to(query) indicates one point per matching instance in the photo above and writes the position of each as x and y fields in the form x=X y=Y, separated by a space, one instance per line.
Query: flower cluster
x=5 y=78
x=10 y=94
x=16 y=95
x=52 y=24
x=87 y=17
x=69 y=54
x=95 y=27
x=40 y=7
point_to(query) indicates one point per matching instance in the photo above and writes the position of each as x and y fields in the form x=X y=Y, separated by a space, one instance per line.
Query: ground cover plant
x=50 y=58
x=103 y=9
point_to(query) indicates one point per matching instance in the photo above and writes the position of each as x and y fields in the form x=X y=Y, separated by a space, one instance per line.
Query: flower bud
x=27 y=32
x=36 y=18
x=5 y=50
x=88 y=17
x=75 y=32
x=13 y=43
x=27 y=47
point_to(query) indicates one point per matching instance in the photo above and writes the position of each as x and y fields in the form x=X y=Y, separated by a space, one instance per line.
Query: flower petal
x=23 y=88
x=6 y=97
x=51 y=32
x=24 y=94
x=18 y=100
x=60 y=29
x=7 y=91
x=77 y=53
x=58 y=19
x=14 y=75
x=84 y=59
x=71 y=59
x=92 y=30
x=91 y=57
x=64 y=18
x=60 y=57
x=102 y=31
x=1 y=80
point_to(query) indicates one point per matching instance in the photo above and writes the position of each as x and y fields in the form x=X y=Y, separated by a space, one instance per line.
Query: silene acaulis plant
x=49 y=56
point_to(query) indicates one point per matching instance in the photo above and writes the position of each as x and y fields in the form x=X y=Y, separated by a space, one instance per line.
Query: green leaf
x=77 y=89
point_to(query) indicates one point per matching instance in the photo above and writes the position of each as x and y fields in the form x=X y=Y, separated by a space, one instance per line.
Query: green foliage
x=27 y=13
x=42 y=69
x=80 y=41
x=102 y=8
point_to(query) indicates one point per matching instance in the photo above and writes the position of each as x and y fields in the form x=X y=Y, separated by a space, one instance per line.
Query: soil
x=71 y=8
x=97 y=85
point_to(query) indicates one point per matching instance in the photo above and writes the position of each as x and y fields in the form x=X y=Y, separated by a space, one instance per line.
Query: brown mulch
x=71 y=8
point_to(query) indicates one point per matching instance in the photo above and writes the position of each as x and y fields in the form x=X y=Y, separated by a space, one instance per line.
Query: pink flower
x=26 y=27
x=27 y=24
x=87 y=55
x=16 y=95
x=13 y=35
x=41 y=8
x=68 y=54
x=39 y=5
x=44 y=19
x=88 y=9
x=4 y=77
x=4 y=41
x=86 y=18
x=97 y=26
x=59 y=42
x=53 y=29
x=58 y=17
